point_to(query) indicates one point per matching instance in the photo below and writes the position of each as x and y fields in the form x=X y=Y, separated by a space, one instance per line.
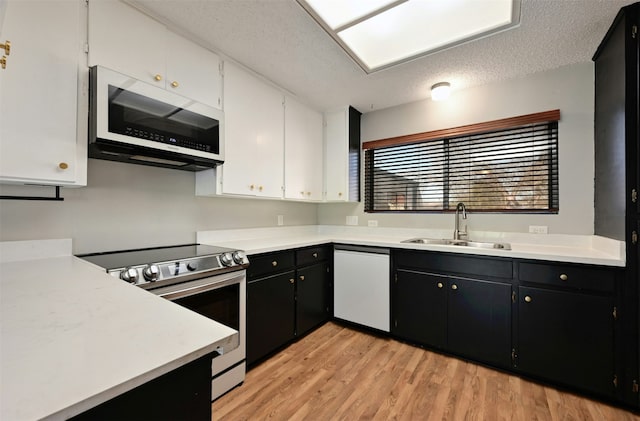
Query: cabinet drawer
x=270 y=263
x=452 y=263
x=311 y=255
x=578 y=277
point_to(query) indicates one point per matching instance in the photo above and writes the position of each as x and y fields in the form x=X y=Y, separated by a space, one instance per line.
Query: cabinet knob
x=157 y=78
x=440 y=285
x=174 y=84
x=6 y=47
x=563 y=277
x=292 y=281
x=315 y=255
x=340 y=194
x=301 y=193
x=63 y=165
x=527 y=299
x=454 y=286
x=260 y=188
x=302 y=277
x=308 y=193
x=274 y=263
x=251 y=187
x=3 y=62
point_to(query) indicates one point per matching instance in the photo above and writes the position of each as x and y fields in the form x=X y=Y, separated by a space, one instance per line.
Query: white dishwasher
x=361 y=286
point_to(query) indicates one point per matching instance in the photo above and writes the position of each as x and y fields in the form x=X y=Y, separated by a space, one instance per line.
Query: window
x=508 y=165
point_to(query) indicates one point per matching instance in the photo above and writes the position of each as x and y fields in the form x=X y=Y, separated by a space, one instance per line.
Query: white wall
x=132 y=206
x=570 y=89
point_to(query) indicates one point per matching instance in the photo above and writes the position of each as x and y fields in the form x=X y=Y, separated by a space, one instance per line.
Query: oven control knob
x=226 y=259
x=151 y=273
x=238 y=257
x=130 y=275
x=192 y=266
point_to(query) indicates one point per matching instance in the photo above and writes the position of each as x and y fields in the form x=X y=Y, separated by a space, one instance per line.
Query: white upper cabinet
x=125 y=40
x=42 y=92
x=303 y=152
x=342 y=155
x=254 y=136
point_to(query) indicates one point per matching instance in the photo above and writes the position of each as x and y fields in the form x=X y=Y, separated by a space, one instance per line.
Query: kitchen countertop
x=72 y=336
x=587 y=249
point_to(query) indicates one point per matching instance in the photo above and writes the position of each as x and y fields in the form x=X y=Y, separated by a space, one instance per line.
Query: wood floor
x=337 y=373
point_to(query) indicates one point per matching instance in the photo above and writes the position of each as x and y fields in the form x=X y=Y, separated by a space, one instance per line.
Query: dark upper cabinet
x=616 y=126
x=567 y=337
x=617 y=171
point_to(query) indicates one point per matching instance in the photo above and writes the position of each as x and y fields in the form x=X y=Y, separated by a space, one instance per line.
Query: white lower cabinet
x=361 y=286
x=43 y=93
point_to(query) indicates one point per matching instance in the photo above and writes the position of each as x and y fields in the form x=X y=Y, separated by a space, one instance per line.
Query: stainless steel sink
x=460 y=243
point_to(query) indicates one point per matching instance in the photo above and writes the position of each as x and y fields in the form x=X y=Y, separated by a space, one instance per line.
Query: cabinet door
x=193 y=71
x=125 y=40
x=254 y=127
x=336 y=138
x=567 y=337
x=39 y=92
x=270 y=314
x=303 y=152
x=479 y=315
x=420 y=308
x=312 y=293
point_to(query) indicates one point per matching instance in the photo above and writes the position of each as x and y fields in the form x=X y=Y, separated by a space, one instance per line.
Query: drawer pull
x=563 y=277
x=315 y=255
x=440 y=285
x=292 y=281
x=302 y=277
x=454 y=286
x=527 y=299
x=274 y=263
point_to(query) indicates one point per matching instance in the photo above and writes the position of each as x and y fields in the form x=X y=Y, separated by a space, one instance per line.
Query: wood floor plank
x=338 y=373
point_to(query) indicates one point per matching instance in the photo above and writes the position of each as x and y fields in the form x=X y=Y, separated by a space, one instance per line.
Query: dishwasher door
x=361 y=286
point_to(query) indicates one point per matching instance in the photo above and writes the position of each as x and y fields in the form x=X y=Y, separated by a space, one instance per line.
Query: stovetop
x=160 y=266
x=123 y=258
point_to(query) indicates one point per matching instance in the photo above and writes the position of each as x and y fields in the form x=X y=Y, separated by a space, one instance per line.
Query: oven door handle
x=215 y=283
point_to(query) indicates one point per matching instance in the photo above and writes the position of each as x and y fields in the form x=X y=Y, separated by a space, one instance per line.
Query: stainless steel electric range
x=206 y=279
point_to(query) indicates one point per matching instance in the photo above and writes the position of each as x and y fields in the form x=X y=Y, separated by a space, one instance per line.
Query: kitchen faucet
x=456 y=232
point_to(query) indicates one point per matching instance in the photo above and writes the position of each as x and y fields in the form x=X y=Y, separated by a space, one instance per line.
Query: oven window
x=221 y=305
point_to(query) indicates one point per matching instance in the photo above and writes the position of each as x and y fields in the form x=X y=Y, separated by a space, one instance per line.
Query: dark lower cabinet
x=567 y=337
x=312 y=308
x=270 y=314
x=181 y=394
x=287 y=296
x=468 y=317
x=420 y=308
x=479 y=315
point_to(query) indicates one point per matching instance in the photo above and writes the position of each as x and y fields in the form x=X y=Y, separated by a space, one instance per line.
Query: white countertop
x=72 y=337
x=587 y=249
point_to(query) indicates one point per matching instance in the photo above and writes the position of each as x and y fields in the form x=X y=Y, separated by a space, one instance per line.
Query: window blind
x=506 y=170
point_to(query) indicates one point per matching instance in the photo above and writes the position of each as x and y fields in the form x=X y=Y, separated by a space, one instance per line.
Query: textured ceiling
x=278 y=40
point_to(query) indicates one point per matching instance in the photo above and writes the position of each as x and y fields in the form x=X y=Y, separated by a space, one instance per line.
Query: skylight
x=382 y=33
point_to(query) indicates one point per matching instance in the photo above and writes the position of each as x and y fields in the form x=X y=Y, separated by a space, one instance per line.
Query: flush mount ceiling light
x=440 y=91
x=382 y=33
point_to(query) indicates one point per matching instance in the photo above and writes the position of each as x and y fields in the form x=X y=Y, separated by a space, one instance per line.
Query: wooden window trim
x=505 y=123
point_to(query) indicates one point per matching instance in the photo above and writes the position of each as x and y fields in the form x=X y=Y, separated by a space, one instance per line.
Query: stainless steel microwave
x=133 y=121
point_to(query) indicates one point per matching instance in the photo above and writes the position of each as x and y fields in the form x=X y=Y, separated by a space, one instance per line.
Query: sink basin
x=460 y=243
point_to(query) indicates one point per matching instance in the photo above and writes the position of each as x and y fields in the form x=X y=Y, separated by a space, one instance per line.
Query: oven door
x=221 y=298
